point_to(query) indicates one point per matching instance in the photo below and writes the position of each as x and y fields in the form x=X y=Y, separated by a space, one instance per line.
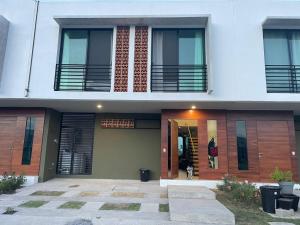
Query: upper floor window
x=178 y=60
x=85 y=60
x=282 y=58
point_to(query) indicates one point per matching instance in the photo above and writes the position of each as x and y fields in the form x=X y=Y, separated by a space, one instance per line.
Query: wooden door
x=174 y=149
x=273 y=147
x=7 y=138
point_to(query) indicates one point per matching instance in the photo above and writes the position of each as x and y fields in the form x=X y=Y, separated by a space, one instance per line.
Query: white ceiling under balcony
x=145 y=106
x=195 y=20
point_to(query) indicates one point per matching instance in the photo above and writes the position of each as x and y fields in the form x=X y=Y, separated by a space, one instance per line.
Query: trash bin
x=295 y=199
x=269 y=194
x=144 y=175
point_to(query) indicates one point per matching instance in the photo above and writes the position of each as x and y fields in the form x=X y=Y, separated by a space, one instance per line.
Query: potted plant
x=284 y=179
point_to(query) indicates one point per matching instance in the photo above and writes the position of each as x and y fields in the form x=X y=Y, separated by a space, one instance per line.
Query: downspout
x=36 y=12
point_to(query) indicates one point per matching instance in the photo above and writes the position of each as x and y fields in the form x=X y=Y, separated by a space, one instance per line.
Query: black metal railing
x=283 y=78
x=178 y=78
x=82 y=77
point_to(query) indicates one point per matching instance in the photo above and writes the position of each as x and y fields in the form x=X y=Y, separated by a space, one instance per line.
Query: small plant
x=281 y=175
x=10 y=211
x=9 y=183
x=240 y=191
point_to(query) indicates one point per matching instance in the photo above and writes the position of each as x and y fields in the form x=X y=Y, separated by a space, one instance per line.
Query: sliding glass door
x=178 y=60
x=85 y=61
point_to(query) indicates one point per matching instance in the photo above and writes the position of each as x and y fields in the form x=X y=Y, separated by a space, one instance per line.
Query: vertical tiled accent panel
x=121 y=62
x=140 y=59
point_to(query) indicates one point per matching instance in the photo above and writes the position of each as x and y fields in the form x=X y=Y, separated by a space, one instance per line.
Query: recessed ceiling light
x=193 y=107
x=99 y=106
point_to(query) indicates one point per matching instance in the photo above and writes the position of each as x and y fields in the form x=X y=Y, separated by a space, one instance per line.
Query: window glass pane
x=276 y=47
x=241 y=139
x=74 y=47
x=28 y=141
x=191 y=48
x=212 y=144
x=191 y=55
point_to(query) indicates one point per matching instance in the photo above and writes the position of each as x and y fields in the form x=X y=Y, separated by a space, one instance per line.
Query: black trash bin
x=269 y=194
x=144 y=175
x=295 y=199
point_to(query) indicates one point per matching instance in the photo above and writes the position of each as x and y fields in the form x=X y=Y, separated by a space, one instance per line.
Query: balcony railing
x=283 y=78
x=82 y=77
x=178 y=78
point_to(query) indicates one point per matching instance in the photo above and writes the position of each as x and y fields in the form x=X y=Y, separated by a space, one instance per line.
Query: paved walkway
x=45 y=202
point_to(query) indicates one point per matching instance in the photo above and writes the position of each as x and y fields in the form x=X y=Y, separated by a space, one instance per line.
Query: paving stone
x=190 y=192
x=200 y=211
x=284 y=213
x=70 y=194
x=92 y=206
x=149 y=207
x=52 y=205
x=280 y=223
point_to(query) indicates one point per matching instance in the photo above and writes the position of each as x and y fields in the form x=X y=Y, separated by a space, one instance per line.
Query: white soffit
x=282 y=23
x=200 y=20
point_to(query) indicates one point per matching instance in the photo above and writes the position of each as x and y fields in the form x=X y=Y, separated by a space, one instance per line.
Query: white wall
x=236 y=55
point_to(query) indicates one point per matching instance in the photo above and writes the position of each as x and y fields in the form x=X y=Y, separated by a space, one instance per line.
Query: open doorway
x=183 y=149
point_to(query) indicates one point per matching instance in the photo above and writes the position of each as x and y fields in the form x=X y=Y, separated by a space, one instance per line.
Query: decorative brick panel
x=140 y=59
x=121 y=62
x=118 y=123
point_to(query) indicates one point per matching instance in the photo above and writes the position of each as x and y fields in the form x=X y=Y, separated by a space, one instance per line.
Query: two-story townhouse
x=100 y=89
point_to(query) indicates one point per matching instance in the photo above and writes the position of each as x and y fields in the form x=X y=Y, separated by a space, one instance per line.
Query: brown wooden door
x=273 y=147
x=174 y=149
x=7 y=138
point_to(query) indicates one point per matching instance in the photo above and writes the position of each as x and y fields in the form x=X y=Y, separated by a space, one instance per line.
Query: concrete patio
x=93 y=194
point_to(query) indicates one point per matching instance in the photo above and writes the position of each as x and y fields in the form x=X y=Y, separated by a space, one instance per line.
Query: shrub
x=281 y=175
x=240 y=191
x=9 y=183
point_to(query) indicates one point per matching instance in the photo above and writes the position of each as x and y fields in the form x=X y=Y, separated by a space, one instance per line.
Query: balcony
x=178 y=78
x=82 y=77
x=283 y=78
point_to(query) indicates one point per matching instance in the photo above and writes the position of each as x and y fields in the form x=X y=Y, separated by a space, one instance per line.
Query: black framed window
x=241 y=141
x=178 y=60
x=85 y=60
x=282 y=58
x=28 y=140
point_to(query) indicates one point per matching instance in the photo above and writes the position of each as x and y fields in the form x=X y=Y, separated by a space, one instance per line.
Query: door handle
x=260 y=155
x=10 y=147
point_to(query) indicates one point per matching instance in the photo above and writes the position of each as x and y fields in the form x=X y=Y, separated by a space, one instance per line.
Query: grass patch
x=121 y=206
x=72 y=205
x=128 y=194
x=89 y=193
x=9 y=211
x=48 y=193
x=248 y=214
x=33 y=204
x=164 y=207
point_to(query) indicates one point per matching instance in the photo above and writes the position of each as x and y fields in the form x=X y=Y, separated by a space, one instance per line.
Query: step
x=191 y=192
x=200 y=211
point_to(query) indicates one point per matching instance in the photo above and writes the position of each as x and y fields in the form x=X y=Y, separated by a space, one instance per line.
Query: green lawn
x=246 y=214
x=164 y=207
x=121 y=206
x=33 y=204
x=72 y=205
x=48 y=193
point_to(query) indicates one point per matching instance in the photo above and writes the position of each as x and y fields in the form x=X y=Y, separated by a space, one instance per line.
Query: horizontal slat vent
x=76 y=144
